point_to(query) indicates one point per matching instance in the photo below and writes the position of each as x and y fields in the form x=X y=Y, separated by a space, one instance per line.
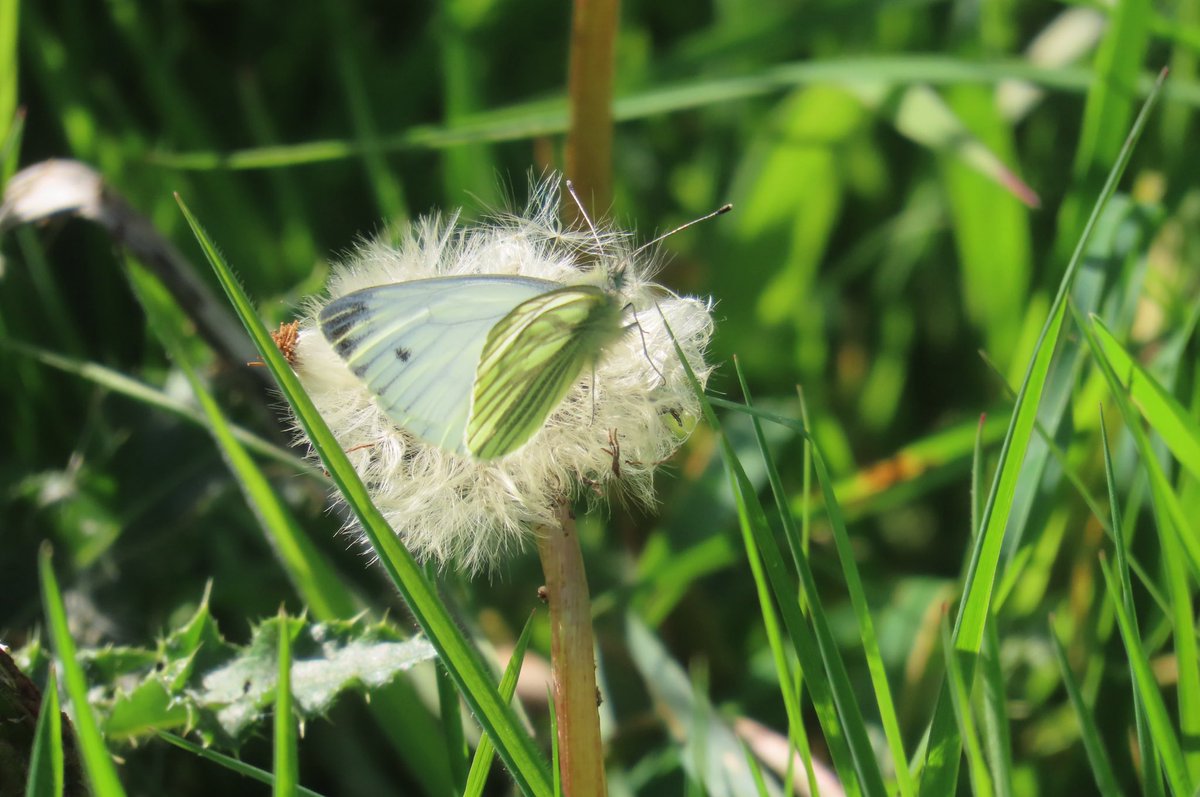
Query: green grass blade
x=760 y=784
x=862 y=612
x=789 y=685
x=1180 y=549
x=459 y=657
x=1117 y=67
x=10 y=12
x=286 y=763
x=1166 y=743
x=139 y=391
x=477 y=777
x=942 y=756
x=1174 y=424
x=1049 y=447
x=996 y=726
x=46 y=757
x=1151 y=775
x=538 y=119
x=817 y=648
x=413 y=740
x=97 y=763
x=1187 y=657
x=1169 y=514
x=388 y=193
x=450 y=715
x=960 y=698
x=854 y=586
x=783 y=671
x=1078 y=481
x=978 y=477
x=229 y=762
x=10 y=148
x=555 y=762
x=313 y=578
x=1119 y=230
x=1102 y=770
x=465 y=169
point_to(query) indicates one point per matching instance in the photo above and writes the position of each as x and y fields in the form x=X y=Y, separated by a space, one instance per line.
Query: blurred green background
x=882 y=158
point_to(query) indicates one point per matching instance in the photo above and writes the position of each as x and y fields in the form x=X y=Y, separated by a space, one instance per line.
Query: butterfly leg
x=645 y=349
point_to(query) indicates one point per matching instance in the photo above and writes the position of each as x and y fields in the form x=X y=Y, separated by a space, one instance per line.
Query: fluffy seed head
x=610 y=433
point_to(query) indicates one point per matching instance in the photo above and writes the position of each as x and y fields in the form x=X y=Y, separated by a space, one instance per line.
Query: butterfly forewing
x=417 y=344
x=532 y=358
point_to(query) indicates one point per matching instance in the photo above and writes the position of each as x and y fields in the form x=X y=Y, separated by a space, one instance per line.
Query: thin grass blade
x=981 y=782
x=459 y=657
x=286 y=763
x=996 y=725
x=135 y=389
x=1180 y=550
x=817 y=648
x=10 y=12
x=540 y=118
x=477 y=777
x=97 y=762
x=941 y=765
x=1166 y=742
x=46 y=757
x=229 y=762
x=1174 y=424
x=1093 y=745
x=315 y=581
x=1151 y=776
x=1168 y=511
x=789 y=685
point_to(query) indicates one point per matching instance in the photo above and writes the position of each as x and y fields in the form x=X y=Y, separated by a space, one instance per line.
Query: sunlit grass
x=780 y=619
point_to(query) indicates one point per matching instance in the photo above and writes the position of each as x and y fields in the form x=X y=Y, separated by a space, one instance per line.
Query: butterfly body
x=473 y=364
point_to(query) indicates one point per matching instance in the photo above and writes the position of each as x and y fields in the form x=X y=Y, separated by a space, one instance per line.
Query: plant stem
x=581 y=754
x=590 y=82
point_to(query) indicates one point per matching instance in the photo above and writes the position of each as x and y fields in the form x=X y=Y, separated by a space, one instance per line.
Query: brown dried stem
x=590 y=86
x=581 y=754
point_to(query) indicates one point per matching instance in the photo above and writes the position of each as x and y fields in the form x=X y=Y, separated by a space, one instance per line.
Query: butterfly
x=473 y=364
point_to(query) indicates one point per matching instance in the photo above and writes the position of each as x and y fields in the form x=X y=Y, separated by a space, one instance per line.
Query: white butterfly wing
x=417 y=344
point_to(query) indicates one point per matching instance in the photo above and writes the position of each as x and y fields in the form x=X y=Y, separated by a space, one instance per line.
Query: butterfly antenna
x=718 y=212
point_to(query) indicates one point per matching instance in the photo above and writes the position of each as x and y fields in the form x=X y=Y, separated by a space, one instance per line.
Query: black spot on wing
x=402 y=354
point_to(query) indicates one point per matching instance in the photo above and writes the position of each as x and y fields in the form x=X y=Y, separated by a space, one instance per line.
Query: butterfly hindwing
x=531 y=359
x=417 y=344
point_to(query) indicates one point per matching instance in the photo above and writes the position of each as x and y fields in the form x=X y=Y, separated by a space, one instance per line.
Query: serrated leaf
x=195 y=679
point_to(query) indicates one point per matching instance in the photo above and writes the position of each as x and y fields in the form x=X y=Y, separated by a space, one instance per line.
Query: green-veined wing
x=532 y=358
x=417 y=344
